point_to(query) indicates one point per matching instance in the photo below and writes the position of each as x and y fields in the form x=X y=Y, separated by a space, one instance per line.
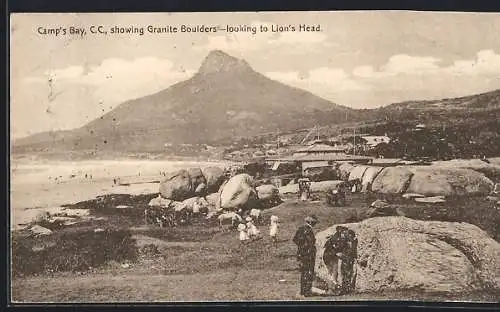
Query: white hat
x=248 y=219
x=274 y=218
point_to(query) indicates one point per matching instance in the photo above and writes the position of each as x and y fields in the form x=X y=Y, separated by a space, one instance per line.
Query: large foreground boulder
x=214 y=177
x=238 y=192
x=433 y=181
x=368 y=178
x=176 y=186
x=397 y=253
x=392 y=180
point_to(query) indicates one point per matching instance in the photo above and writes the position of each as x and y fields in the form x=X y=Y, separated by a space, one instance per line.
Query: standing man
x=348 y=264
x=334 y=246
x=306 y=254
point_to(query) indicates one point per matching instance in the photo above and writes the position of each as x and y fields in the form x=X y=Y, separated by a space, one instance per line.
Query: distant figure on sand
x=273 y=229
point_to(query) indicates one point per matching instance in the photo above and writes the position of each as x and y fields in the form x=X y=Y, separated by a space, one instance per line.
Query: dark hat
x=311 y=219
x=340 y=228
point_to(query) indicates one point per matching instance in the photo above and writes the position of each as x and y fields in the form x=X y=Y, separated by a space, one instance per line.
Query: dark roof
x=326 y=157
x=320 y=148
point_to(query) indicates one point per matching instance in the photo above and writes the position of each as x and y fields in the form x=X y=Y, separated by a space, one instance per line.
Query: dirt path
x=223 y=285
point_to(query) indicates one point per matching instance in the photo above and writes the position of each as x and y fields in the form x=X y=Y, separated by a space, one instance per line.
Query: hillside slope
x=225 y=98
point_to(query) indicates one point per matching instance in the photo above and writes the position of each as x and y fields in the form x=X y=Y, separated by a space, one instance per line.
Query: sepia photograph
x=330 y=156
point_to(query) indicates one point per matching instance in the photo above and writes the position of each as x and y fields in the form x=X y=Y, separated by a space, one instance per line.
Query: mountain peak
x=218 y=61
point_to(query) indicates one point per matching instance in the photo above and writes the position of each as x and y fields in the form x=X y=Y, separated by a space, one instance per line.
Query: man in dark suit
x=306 y=254
x=348 y=264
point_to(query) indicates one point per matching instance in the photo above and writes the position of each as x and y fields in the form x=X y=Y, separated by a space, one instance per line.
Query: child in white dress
x=242 y=228
x=253 y=231
x=273 y=229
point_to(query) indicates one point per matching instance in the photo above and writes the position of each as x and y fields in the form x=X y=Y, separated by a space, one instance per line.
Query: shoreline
x=34 y=188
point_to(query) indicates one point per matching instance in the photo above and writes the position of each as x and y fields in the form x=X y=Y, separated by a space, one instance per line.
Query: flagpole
x=354 y=140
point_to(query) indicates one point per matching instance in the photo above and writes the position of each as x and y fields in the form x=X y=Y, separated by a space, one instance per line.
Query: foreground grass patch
x=71 y=250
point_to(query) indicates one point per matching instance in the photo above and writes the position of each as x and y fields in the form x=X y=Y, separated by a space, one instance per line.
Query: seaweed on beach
x=76 y=250
x=110 y=201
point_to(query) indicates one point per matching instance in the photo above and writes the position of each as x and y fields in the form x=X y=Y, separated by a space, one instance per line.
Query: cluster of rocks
x=421 y=181
x=213 y=190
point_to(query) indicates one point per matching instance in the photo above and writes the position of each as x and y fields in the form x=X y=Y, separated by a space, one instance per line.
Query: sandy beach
x=33 y=186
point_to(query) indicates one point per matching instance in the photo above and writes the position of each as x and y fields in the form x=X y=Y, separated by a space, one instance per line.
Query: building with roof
x=319 y=149
x=318 y=155
x=374 y=140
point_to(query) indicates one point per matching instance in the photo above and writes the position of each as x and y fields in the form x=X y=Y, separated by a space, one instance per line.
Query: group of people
x=304 y=189
x=248 y=231
x=340 y=248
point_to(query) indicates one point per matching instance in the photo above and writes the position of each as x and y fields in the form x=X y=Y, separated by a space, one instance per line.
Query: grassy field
x=200 y=263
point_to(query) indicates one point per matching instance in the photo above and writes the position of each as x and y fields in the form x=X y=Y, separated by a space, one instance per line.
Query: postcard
x=255 y=156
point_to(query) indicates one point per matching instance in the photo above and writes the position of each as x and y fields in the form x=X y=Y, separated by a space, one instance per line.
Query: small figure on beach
x=273 y=229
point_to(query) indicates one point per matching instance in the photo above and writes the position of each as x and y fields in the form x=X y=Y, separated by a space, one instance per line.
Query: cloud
x=402 y=77
x=117 y=80
x=323 y=81
x=402 y=64
x=485 y=63
x=405 y=77
x=335 y=77
x=67 y=73
x=69 y=97
x=366 y=71
x=286 y=77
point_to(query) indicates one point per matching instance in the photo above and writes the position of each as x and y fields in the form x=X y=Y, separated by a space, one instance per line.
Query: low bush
x=76 y=249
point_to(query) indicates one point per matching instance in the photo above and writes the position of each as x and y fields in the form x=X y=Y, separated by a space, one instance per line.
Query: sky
x=357 y=59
